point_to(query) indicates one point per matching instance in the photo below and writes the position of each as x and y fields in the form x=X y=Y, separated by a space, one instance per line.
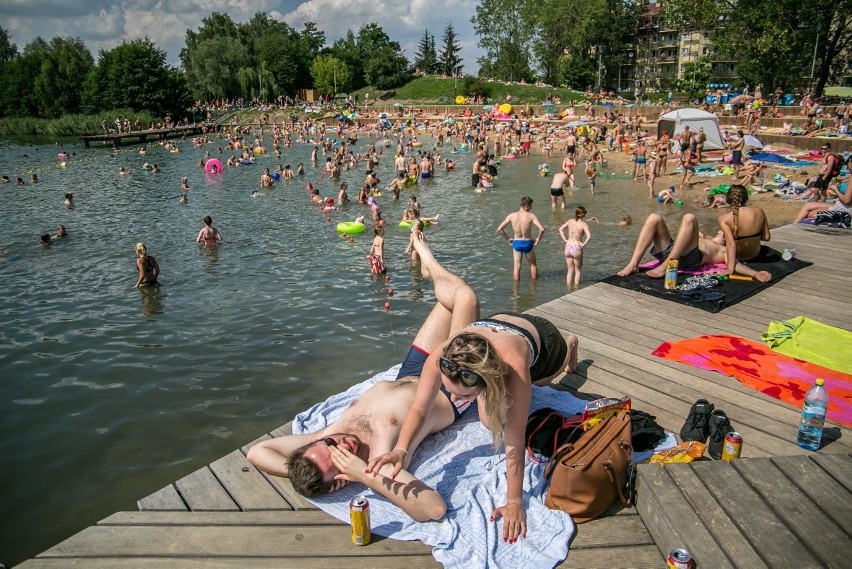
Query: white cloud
x=103 y=24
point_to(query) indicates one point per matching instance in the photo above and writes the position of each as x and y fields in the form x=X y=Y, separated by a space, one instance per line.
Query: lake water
x=111 y=392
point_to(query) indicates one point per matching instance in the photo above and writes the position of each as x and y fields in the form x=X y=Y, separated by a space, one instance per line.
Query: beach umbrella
x=608 y=106
x=353 y=116
x=752 y=141
x=551 y=110
x=341 y=118
x=488 y=107
x=576 y=123
x=547 y=104
x=449 y=120
x=398 y=105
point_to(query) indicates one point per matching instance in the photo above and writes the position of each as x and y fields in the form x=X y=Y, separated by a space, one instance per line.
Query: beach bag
x=833 y=218
x=588 y=475
x=547 y=430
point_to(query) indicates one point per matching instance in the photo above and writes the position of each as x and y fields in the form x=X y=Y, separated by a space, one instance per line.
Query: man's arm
x=540 y=227
x=271 y=455
x=501 y=228
x=411 y=495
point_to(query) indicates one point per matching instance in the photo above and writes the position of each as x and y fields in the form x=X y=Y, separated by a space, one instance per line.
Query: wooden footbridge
x=143 y=136
x=778 y=506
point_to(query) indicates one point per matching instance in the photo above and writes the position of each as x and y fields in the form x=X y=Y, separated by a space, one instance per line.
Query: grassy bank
x=435 y=90
x=69 y=125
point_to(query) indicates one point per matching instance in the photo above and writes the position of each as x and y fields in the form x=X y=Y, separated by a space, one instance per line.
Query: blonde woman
x=147 y=266
x=494 y=361
x=744 y=227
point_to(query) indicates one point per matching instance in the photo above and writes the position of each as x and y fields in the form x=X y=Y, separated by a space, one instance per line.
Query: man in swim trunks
x=557 y=189
x=689 y=247
x=737 y=152
x=328 y=459
x=522 y=243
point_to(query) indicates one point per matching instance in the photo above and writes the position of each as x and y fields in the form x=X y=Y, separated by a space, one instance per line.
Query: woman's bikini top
x=502 y=326
x=758 y=234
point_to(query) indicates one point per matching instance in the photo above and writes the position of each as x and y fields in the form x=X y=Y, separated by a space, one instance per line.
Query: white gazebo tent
x=675 y=122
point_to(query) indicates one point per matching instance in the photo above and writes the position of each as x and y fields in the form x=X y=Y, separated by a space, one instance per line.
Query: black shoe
x=720 y=426
x=697 y=426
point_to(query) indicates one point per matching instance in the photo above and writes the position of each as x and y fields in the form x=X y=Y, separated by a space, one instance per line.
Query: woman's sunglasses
x=455 y=372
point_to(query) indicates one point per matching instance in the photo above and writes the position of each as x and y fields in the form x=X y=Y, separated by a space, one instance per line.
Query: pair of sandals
x=703 y=295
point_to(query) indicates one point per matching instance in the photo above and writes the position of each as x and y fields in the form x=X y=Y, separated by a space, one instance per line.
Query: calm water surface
x=111 y=392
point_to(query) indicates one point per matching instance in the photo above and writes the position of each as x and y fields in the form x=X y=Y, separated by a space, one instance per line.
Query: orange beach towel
x=755 y=365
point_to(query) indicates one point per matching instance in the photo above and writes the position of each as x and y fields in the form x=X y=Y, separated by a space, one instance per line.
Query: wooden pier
x=143 y=136
x=778 y=506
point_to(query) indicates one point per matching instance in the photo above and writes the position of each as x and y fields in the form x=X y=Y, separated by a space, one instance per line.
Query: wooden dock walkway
x=728 y=515
x=142 y=136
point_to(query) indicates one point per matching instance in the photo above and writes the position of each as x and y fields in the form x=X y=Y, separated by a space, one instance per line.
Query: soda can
x=359 y=514
x=679 y=559
x=733 y=446
x=671 y=274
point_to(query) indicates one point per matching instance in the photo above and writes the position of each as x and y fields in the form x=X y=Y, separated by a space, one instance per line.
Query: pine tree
x=449 y=62
x=425 y=58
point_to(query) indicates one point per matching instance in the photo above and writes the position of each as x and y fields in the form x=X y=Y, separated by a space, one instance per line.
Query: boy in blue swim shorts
x=522 y=242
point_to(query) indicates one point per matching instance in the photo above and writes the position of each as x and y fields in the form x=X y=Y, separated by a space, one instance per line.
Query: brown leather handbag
x=588 y=475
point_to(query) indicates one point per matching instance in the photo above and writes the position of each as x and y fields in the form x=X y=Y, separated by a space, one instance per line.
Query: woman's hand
x=514 y=521
x=395 y=458
x=350 y=465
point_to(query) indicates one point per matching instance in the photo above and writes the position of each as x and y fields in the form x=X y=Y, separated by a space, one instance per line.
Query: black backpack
x=547 y=430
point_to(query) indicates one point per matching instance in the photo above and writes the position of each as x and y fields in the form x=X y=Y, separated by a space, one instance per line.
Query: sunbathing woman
x=843 y=203
x=495 y=361
x=744 y=227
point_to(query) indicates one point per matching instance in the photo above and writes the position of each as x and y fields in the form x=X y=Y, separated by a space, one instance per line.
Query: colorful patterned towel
x=755 y=365
x=811 y=341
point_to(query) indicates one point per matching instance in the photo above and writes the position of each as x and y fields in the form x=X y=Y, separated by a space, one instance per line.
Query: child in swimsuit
x=578 y=237
x=377 y=251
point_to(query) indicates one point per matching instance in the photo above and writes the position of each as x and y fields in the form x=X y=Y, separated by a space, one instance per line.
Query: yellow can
x=359 y=514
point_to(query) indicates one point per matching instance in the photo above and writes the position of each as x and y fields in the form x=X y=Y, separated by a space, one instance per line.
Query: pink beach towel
x=755 y=365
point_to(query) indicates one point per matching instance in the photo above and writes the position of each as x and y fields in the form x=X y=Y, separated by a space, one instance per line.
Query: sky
x=103 y=24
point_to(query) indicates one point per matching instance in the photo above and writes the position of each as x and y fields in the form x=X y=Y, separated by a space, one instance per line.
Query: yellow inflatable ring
x=505 y=108
x=350 y=227
x=408 y=224
x=460 y=100
x=259 y=150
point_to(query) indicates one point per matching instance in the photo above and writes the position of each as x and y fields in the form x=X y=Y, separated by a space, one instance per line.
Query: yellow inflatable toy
x=259 y=150
x=460 y=100
x=505 y=108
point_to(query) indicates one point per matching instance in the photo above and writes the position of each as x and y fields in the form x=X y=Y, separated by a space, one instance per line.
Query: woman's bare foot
x=572 y=353
x=627 y=271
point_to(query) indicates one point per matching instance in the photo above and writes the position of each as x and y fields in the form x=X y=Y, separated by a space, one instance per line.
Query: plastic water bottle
x=813 y=417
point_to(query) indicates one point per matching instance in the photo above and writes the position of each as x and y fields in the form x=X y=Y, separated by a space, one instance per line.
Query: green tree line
x=578 y=43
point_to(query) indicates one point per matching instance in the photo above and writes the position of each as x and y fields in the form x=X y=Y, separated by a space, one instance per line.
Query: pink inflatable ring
x=213 y=166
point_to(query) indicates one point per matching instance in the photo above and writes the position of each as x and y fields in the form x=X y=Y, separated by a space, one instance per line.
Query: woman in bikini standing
x=578 y=237
x=744 y=227
x=147 y=266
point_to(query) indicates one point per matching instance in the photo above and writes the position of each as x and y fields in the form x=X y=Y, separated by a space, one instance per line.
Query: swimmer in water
x=208 y=235
x=45 y=240
x=69 y=199
x=60 y=232
x=184 y=199
x=625 y=221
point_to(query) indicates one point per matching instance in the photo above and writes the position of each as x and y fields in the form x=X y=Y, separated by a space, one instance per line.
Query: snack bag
x=599 y=409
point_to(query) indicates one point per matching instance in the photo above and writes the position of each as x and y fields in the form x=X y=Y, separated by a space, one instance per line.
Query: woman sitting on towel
x=494 y=361
x=744 y=227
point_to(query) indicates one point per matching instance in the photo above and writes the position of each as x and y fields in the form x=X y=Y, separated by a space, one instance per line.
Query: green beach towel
x=811 y=341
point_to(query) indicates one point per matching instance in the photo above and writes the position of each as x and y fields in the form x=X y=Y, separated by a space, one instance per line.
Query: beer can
x=679 y=559
x=671 y=274
x=359 y=514
x=733 y=446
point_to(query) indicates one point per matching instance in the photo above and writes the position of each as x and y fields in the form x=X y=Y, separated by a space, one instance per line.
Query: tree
x=58 y=87
x=506 y=37
x=17 y=86
x=313 y=40
x=134 y=75
x=449 y=62
x=213 y=65
x=383 y=62
x=8 y=50
x=330 y=75
x=347 y=51
x=696 y=75
x=773 y=41
x=426 y=59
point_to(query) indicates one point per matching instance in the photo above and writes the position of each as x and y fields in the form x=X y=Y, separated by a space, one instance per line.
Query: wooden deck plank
x=614 y=530
x=820 y=487
x=776 y=544
x=672 y=518
x=244 y=483
x=166 y=498
x=410 y=561
x=202 y=492
x=254 y=518
x=638 y=556
x=822 y=537
x=226 y=541
x=838 y=467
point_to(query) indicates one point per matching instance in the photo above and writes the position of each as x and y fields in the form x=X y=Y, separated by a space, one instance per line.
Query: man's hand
x=351 y=466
